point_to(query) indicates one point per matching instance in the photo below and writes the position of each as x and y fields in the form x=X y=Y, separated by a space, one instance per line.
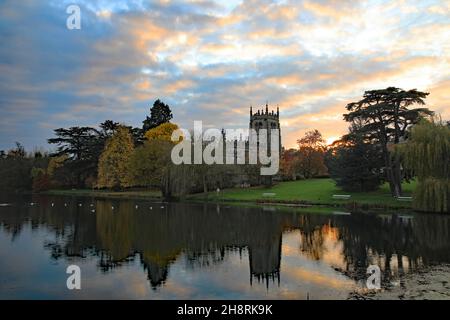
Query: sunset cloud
x=211 y=61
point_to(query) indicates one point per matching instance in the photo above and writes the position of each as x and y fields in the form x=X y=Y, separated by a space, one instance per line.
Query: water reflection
x=206 y=247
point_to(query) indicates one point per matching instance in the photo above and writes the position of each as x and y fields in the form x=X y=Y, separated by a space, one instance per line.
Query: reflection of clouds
x=176 y=290
x=231 y=279
x=185 y=252
x=300 y=268
x=317 y=278
x=333 y=247
x=128 y=282
x=26 y=264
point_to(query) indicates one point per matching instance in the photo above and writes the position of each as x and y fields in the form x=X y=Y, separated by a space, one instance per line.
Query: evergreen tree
x=108 y=128
x=160 y=113
x=385 y=116
x=354 y=164
x=82 y=146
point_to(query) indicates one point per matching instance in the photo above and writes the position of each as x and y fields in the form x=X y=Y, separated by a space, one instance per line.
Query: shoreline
x=154 y=195
x=105 y=194
x=427 y=283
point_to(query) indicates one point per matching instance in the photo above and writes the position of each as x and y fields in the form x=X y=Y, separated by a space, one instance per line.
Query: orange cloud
x=178 y=85
x=335 y=9
x=143 y=85
x=439 y=98
x=144 y=31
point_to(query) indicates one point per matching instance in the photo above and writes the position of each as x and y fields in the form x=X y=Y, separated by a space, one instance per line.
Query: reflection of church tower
x=265 y=260
x=157 y=274
x=263 y=119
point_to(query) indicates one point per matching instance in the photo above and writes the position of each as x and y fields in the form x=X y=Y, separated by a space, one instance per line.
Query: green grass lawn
x=318 y=191
x=314 y=191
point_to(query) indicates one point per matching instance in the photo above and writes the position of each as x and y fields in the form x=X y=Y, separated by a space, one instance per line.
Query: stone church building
x=191 y=178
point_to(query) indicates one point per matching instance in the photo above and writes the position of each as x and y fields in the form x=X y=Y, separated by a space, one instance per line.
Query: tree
x=108 y=128
x=138 y=136
x=310 y=162
x=427 y=154
x=41 y=179
x=16 y=167
x=113 y=165
x=59 y=172
x=355 y=164
x=385 y=117
x=288 y=161
x=15 y=170
x=76 y=142
x=162 y=132
x=18 y=152
x=81 y=148
x=160 y=113
x=82 y=145
x=149 y=163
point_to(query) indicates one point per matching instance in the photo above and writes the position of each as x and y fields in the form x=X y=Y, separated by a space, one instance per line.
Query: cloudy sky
x=211 y=60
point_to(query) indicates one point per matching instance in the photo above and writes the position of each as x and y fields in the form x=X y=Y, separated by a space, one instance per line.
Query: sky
x=212 y=60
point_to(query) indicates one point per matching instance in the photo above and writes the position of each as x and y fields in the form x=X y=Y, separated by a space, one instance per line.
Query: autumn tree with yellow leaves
x=113 y=165
x=150 y=162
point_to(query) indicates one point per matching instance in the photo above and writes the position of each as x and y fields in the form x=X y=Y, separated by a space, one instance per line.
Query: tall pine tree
x=385 y=116
x=160 y=113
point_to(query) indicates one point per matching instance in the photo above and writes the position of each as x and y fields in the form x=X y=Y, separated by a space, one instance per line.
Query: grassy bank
x=313 y=191
x=129 y=194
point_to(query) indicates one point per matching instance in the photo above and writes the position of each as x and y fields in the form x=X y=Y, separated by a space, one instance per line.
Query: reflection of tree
x=205 y=234
x=389 y=241
x=370 y=239
x=115 y=228
x=312 y=244
x=432 y=234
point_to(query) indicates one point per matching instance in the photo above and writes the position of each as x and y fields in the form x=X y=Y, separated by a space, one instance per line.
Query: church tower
x=263 y=119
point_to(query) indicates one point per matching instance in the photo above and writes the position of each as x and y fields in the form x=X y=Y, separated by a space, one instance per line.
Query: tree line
x=391 y=138
x=77 y=159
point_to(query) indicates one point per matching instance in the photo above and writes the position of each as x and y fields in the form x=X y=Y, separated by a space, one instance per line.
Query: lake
x=130 y=249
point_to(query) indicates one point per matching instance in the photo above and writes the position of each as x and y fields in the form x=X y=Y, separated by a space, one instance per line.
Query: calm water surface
x=148 y=250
